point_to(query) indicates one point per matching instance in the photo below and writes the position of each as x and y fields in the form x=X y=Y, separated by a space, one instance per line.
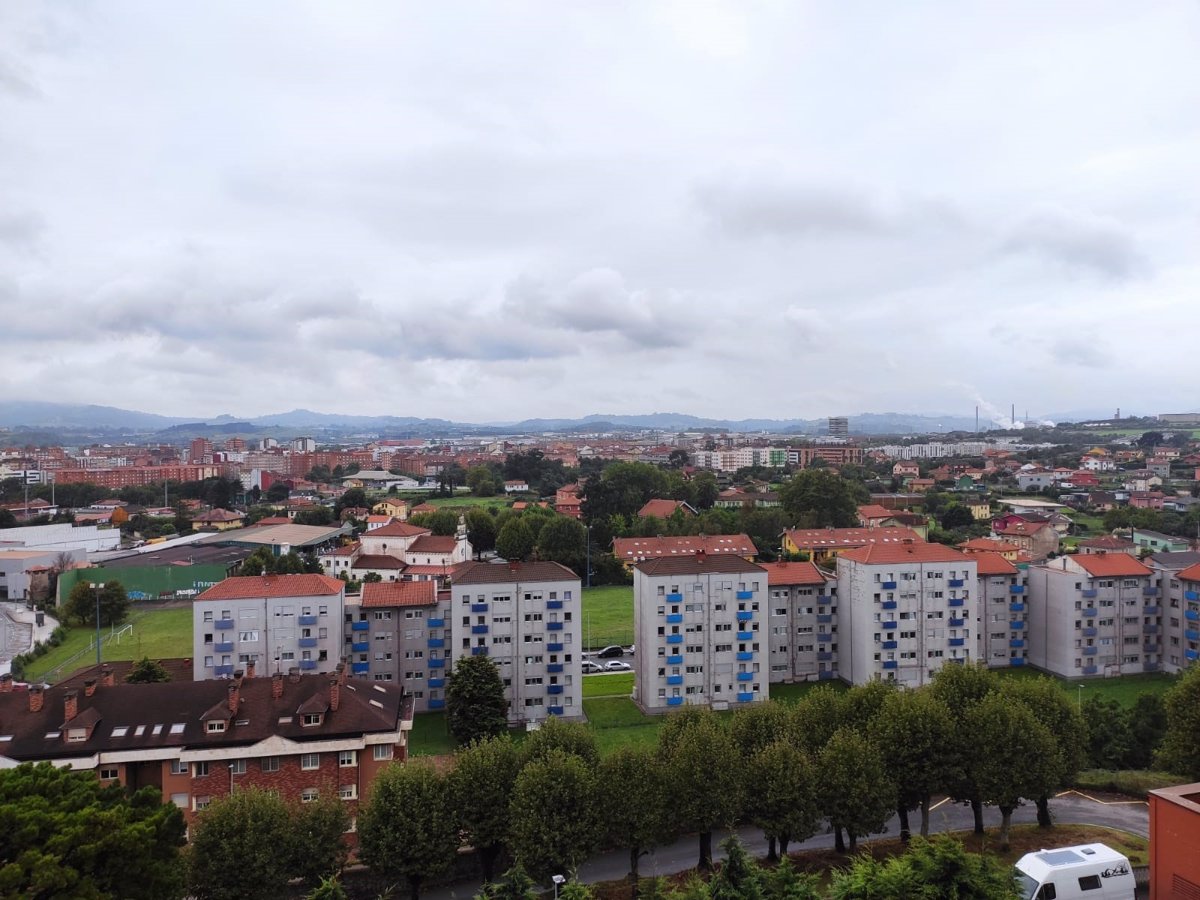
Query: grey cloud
x=1077 y=242
x=20 y=230
x=755 y=209
x=1082 y=351
x=16 y=82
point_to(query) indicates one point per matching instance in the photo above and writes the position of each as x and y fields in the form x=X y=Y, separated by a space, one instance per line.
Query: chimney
x=294 y=674
x=6 y=683
x=70 y=705
x=89 y=687
x=250 y=667
x=276 y=685
x=36 y=698
x=235 y=695
x=106 y=676
x=335 y=694
x=340 y=671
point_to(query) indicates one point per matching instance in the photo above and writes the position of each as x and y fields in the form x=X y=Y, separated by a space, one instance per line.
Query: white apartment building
x=905 y=610
x=1094 y=614
x=526 y=617
x=701 y=633
x=277 y=622
x=1001 y=631
x=1179 y=588
x=802 y=618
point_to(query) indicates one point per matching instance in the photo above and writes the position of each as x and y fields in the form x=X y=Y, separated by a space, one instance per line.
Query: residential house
x=1035 y=480
x=394 y=507
x=1108 y=543
x=824 y=544
x=1179 y=580
x=734 y=498
x=633 y=550
x=218 y=520
x=1038 y=539
x=906 y=469
x=516 y=486
x=1156 y=542
x=664 y=509
x=1146 y=499
x=1003 y=549
x=567 y=501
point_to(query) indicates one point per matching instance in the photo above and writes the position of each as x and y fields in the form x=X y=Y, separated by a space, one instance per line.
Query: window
x=1047 y=892
x=269 y=764
x=348 y=758
x=310 y=761
x=237 y=767
x=382 y=751
x=308 y=795
x=108 y=774
x=200 y=770
x=348 y=792
x=311 y=719
x=180 y=800
x=202 y=803
x=215 y=726
x=178 y=767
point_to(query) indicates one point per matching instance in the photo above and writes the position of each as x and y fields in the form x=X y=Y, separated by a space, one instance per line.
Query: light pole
x=557 y=879
x=96 y=588
x=1079 y=698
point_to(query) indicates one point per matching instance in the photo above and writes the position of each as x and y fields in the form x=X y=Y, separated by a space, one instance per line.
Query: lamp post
x=96 y=588
x=1079 y=698
x=557 y=879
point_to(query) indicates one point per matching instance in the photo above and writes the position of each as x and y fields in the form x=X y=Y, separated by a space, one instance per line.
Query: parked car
x=616 y=665
x=590 y=668
x=613 y=651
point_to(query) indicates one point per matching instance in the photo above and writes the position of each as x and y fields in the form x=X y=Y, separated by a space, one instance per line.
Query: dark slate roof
x=697 y=565
x=511 y=573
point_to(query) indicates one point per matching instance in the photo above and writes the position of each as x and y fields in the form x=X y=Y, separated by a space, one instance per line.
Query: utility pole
x=96 y=588
x=588 y=557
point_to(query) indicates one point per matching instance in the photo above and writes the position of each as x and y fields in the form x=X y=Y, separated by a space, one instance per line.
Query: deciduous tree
x=515 y=540
x=705 y=780
x=475 y=704
x=114 y=603
x=572 y=738
x=816 y=498
x=481 y=785
x=854 y=789
x=147 y=671
x=635 y=804
x=917 y=731
x=1180 y=751
x=1045 y=699
x=784 y=801
x=555 y=815
x=264 y=865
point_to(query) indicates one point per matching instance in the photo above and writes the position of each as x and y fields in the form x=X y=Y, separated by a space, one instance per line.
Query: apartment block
x=526 y=617
x=274 y=622
x=1002 y=630
x=802 y=618
x=701 y=633
x=905 y=610
x=1180 y=586
x=1094 y=614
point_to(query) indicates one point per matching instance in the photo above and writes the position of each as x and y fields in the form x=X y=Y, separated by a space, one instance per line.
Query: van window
x=1089 y=883
x=1047 y=892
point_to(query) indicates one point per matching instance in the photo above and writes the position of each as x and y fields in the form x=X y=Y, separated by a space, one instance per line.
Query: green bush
x=1133 y=782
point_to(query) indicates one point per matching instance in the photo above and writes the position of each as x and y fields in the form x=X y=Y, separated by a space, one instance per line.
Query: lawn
x=468 y=501
x=157 y=633
x=618 y=684
x=608 y=616
x=1125 y=689
x=617 y=722
x=429 y=736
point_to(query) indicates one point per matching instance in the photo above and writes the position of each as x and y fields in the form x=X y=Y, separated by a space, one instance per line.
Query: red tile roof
x=794 y=573
x=1105 y=565
x=987 y=545
x=697 y=564
x=1191 y=573
x=347 y=550
x=993 y=564
x=874 y=511
x=399 y=529
x=399 y=593
x=916 y=552
x=495 y=573
x=246 y=587
x=662 y=509
x=1021 y=528
x=1107 y=542
x=660 y=547
x=822 y=538
x=379 y=561
x=430 y=543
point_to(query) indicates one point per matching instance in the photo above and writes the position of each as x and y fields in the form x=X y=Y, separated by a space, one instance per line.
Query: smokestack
x=335 y=694
x=276 y=685
x=70 y=705
x=89 y=687
x=36 y=698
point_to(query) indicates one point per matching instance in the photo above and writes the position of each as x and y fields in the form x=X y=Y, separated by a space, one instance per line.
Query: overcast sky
x=499 y=210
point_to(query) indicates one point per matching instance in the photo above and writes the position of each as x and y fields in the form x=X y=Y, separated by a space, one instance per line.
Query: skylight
x=177 y=728
x=120 y=730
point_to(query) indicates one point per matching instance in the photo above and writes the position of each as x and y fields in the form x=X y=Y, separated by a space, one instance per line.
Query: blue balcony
x=360 y=646
x=888 y=604
x=674 y=701
x=224 y=624
x=824 y=655
x=745 y=697
x=889 y=625
x=675 y=659
x=745 y=676
x=745 y=595
x=1088 y=592
x=744 y=655
x=1150 y=591
x=1089 y=611
x=360 y=626
x=744 y=615
x=1089 y=670
x=1090 y=651
x=437 y=682
x=554 y=668
x=891 y=664
x=308 y=643
x=826 y=676
x=554 y=626
x=223 y=646
x=554 y=604
x=824 y=637
x=674 y=618
x=436 y=623
x=1016 y=607
x=308 y=664
x=1152 y=609
x=1016 y=588
x=1150 y=628
x=1089 y=630
x=1150 y=648
x=1191 y=634
x=479 y=629
x=308 y=620
x=439 y=703
x=555 y=710
x=1017 y=661
x=1191 y=595
x=824 y=618
x=674 y=638
x=1016 y=642
x=1191 y=615
x=554 y=689
x=674 y=598
x=436 y=643
x=479 y=607
x=360 y=668
x=437 y=663
x=554 y=648
x=674 y=679
x=479 y=651
x=956 y=582
x=956 y=601
x=1191 y=654
x=1016 y=625
x=222 y=670
x=745 y=635
x=889 y=585
x=958 y=642
x=888 y=645
x=957 y=623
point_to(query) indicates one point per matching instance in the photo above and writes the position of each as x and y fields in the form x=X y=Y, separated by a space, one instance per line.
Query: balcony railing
x=437 y=703
x=224 y=624
x=744 y=615
x=437 y=663
x=360 y=646
x=479 y=629
x=479 y=651
x=359 y=626
x=1016 y=588
x=554 y=689
x=1016 y=607
x=745 y=696
x=745 y=635
x=1089 y=670
x=554 y=626
x=554 y=648
x=888 y=604
x=1191 y=634
x=1150 y=628
x=1191 y=615
x=479 y=607
x=674 y=618
x=675 y=659
x=1152 y=609
x=674 y=679
x=223 y=670
x=1191 y=595
x=889 y=585
x=1089 y=630
x=1150 y=591
x=1191 y=654
x=824 y=637
x=674 y=598
x=1016 y=625
x=745 y=595
x=1090 y=651
x=1017 y=661
x=674 y=638
x=223 y=646
x=1089 y=611
x=956 y=582
x=554 y=604
x=555 y=710
x=308 y=664
x=824 y=618
x=436 y=643
x=436 y=623
x=888 y=645
x=957 y=623
x=744 y=655
x=824 y=655
x=891 y=664
x=745 y=676
x=437 y=682
x=674 y=701
x=1089 y=592
x=956 y=601
x=308 y=643
x=308 y=620
x=888 y=625
x=1016 y=642
x=360 y=668
x=1150 y=648
x=958 y=642
x=554 y=668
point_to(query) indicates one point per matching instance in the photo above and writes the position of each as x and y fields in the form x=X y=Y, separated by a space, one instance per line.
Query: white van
x=1083 y=872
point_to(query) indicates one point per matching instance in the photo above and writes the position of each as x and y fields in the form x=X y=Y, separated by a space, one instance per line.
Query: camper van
x=1083 y=872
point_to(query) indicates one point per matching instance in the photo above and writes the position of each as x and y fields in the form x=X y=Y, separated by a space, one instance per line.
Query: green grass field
x=466 y=501
x=157 y=633
x=618 y=684
x=429 y=736
x=1125 y=690
x=608 y=616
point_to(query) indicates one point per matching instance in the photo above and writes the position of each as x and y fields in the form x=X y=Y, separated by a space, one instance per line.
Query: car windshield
x=1027 y=886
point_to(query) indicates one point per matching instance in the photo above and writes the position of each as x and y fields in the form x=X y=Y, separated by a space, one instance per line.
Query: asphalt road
x=1068 y=808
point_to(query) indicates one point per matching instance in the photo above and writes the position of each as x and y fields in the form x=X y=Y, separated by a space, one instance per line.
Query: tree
x=786 y=803
x=622 y=489
x=815 y=718
x=961 y=687
x=475 y=704
x=264 y=865
x=634 y=803
x=351 y=499
x=917 y=729
x=81 y=603
x=555 y=822
x=1147 y=728
x=481 y=786
x=318 y=515
x=1108 y=740
x=555 y=735
x=515 y=540
x=278 y=492
x=854 y=789
x=515 y=884
x=1180 y=752
x=1045 y=699
x=481 y=481
x=704 y=774
x=707 y=490
x=740 y=877
x=481 y=531
x=319 y=847
x=816 y=498
x=957 y=516
x=63 y=834
x=563 y=540
x=1021 y=759
x=147 y=671
x=408 y=829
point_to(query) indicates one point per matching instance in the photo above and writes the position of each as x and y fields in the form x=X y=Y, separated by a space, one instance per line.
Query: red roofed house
x=664 y=509
x=401 y=551
x=632 y=550
x=1108 y=543
x=1038 y=539
x=1096 y=614
x=1001 y=590
x=803 y=606
x=567 y=502
x=824 y=544
x=217 y=520
x=1010 y=552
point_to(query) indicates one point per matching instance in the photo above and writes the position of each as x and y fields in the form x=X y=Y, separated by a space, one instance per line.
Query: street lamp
x=96 y=588
x=1079 y=697
x=557 y=879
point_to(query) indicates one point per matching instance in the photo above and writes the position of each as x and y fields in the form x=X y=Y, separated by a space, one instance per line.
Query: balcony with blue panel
x=1150 y=628
x=1090 y=651
x=308 y=664
x=674 y=618
x=1191 y=654
x=888 y=604
x=479 y=651
x=674 y=638
x=888 y=585
x=439 y=703
x=1152 y=609
x=674 y=598
x=674 y=701
x=888 y=625
x=1016 y=588
x=436 y=623
x=308 y=643
x=360 y=646
x=1191 y=595
x=824 y=655
x=360 y=668
x=307 y=620
x=1150 y=648
x=1017 y=661
x=479 y=629
x=554 y=689
x=1089 y=592
x=956 y=582
x=674 y=679
x=360 y=626
x=555 y=710
x=223 y=670
x=745 y=635
x=437 y=664
x=745 y=696
x=891 y=664
x=826 y=676
x=436 y=643
x=554 y=648
x=1191 y=634
x=1016 y=625
x=224 y=624
x=1088 y=611
x=223 y=646
x=1016 y=607
x=1016 y=642
x=479 y=607
x=744 y=615
x=745 y=595
x=554 y=668
x=437 y=682
x=956 y=601
x=1089 y=670
x=1191 y=615
x=958 y=642
x=1089 y=630
x=554 y=604
x=675 y=659
x=888 y=645
x=824 y=618
x=824 y=637
x=957 y=623
x=1149 y=590
x=745 y=676
x=745 y=655
x=554 y=626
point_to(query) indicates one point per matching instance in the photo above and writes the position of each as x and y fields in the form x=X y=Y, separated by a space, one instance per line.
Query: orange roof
x=399 y=593
x=1104 y=565
x=916 y=552
x=1107 y=542
x=246 y=587
x=398 y=529
x=1024 y=528
x=1191 y=573
x=987 y=545
x=874 y=511
x=660 y=547
x=993 y=564
x=662 y=509
x=431 y=543
x=820 y=538
x=794 y=573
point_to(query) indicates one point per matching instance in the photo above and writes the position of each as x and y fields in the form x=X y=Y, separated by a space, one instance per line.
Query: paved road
x=1067 y=808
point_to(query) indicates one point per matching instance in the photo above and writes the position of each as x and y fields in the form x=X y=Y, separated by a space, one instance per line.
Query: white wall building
x=61 y=537
x=1002 y=631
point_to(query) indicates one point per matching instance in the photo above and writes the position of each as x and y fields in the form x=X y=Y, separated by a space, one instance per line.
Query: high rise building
x=839 y=426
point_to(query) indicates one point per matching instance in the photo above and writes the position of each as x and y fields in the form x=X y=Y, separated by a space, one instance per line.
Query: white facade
x=61 y=537
x=802 y=618
x=1002 y=630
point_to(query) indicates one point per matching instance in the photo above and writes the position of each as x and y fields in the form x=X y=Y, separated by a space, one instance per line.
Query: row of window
x=270 y=764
